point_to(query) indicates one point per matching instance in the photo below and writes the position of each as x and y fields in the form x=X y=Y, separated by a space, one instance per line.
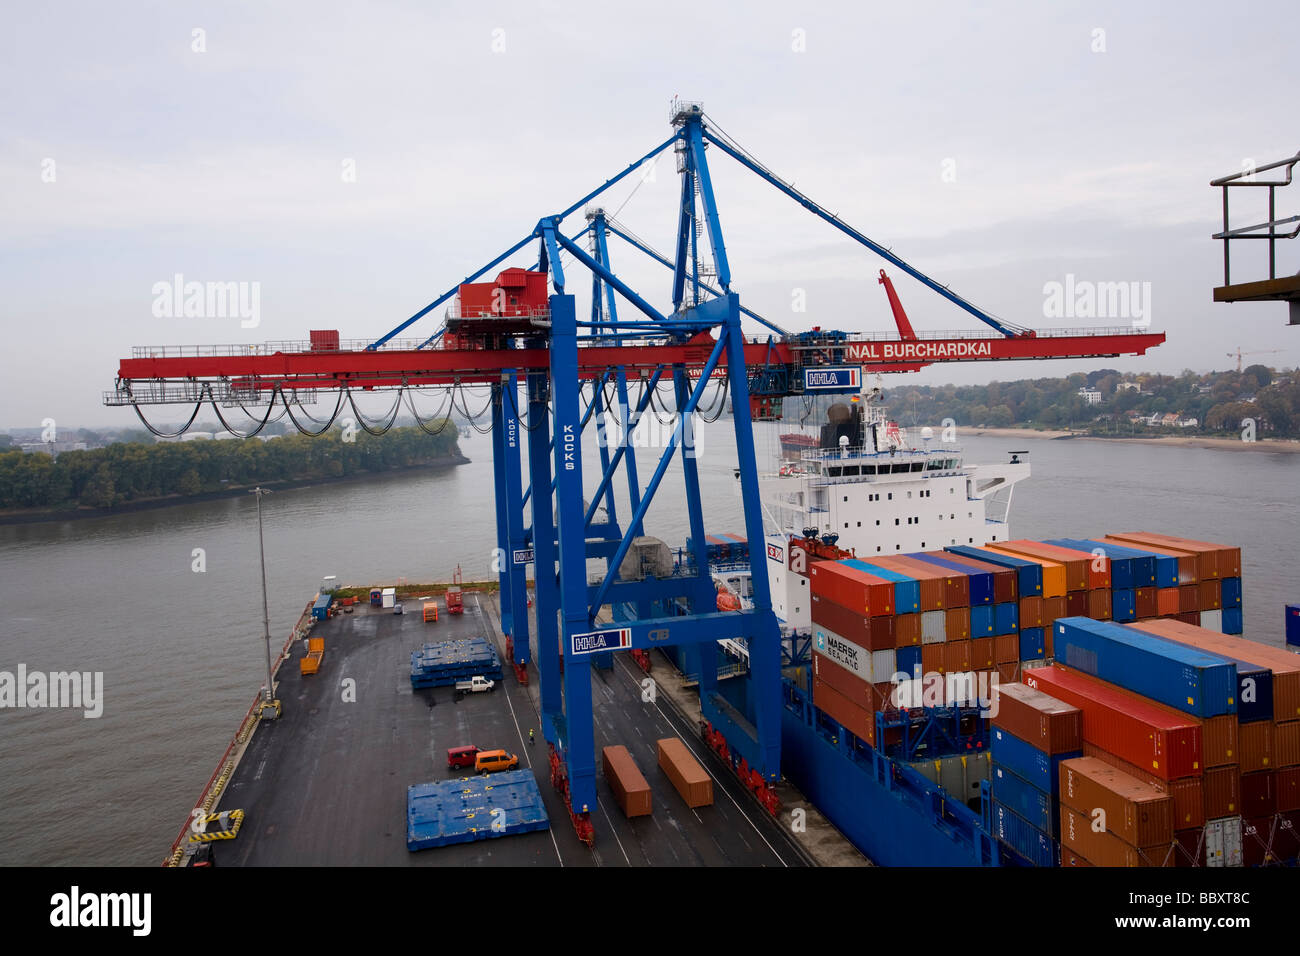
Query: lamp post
x=270 y=707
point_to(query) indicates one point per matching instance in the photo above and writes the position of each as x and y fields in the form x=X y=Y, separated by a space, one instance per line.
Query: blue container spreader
x=474 y=808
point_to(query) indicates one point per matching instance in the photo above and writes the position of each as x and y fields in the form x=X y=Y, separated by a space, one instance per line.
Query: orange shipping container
x=907 y=630
x=956 y=657
x=1104 y=848
x=957 y=623
x=931 y=582
x=631 y=792
x=1206 y=558
x=1031 y=612
x=1222 y=792
x=932 y=656
x=1209 y=595
x=1006 y=649
x=1286 y=739
x=1095 y=568
x=1187 y=562
x=1053 y=572
x=1167 y=601
x=857 y=721
x=1099 y=604
x=687 y=776
x=981 y=654
x=1136 y=812
x=1226 y=558
x=1255 y=745
x=1187 y=792
x=1074 y=564
x=1053 y=607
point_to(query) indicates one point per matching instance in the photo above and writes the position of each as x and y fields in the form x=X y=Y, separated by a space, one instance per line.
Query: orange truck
x=315 y=651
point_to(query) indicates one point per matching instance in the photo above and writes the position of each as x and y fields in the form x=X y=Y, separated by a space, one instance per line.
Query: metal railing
x=1246 y=177
x=832 y=342
x=265 y=348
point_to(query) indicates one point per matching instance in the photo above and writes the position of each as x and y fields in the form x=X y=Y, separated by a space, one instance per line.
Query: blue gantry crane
x=551 y=375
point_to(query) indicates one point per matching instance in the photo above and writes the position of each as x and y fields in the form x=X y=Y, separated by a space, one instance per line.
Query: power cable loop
x=260 y=425
x=338 y=406
x=184 y=428
x=423 y=422
x=376 y=429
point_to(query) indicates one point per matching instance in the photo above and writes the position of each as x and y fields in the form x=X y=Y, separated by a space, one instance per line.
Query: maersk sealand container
x=1187 y=679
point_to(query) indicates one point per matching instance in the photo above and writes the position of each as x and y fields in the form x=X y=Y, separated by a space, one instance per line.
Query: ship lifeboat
x=788 y=471
x=727 y=601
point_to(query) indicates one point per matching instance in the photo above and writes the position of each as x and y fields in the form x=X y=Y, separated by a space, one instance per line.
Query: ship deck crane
x=566 y=367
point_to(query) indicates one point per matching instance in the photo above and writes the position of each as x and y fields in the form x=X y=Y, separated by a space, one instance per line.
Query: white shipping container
x=883 y=666
x=1223 y=842
x=847 y=654
x=1212 y=620
x=933 y=627
x=389 y=597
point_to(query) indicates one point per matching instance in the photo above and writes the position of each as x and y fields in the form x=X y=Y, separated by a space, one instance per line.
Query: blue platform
x=461 y=811
x=444 y=663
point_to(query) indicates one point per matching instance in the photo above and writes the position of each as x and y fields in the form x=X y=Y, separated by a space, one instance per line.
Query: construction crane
x=1239 y=353
x=521 y=331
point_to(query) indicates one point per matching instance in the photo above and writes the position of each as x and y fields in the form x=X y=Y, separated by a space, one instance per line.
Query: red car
x=461 y=757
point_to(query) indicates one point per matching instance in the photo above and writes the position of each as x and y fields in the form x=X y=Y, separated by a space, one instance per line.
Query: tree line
x=124 y=472
x=1219 y=401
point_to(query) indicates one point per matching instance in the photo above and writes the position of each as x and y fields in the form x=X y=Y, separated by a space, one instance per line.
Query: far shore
x=1285 y=446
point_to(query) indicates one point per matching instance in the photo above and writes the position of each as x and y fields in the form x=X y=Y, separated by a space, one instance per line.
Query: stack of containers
x=1268 y=715
x=1137 y=819
x=994 y=586
x=1209 y=578
x=1086 y=577
x=1031 y=735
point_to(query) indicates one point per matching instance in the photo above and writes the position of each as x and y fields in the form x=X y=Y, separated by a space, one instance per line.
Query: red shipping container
x=1053 y=607
x=1189 y=598
x=856 y=720
x=1287 y=782
x=1076 y=604
x=932 y=656
x=1191 y=847
x=1099 y=604
x=981 y=654
x=907 y=630
x=1209 y=595
x=956 y=657
x=1286 y=738
x=1031 y=612
x=1221 y=792
x=1255 y=746
x=1096 y=567
x=849 y=685
x=1220 y=741
x=957 y=623
x=1190 y=617
x=1167 y=601
x=1189 y=803
x=1009 y=673
x=324 y=340
x=1159 y=739
x=1259 y=794
x=860 y=592
x=1006 y=649
x=1146 y=602
x=1038 y=719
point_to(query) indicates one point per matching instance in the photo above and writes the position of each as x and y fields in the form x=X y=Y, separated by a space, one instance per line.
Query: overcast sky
x=357 y=160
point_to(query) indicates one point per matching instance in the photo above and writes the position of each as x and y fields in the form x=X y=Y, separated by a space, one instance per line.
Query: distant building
x=1170 y=419
x=1188 y=423
x=1091 y=395
x=1129 y=387
x=54 y=448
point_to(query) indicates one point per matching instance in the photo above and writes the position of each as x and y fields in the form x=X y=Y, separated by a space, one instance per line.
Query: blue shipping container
x=1166 y=566
x=1006 y=618
x=1230 y=592
x=1121 y=566
x=907 y=591
x=1186 y=678
x=1231 y=620
x=1144 y=566
x=1028 y=762
x=908 y=659
x=1033 y=644
x=1123 y=606
x=981 y=621
x=1033 y=844
x=1029 y=576
x=320 y=611
x=1028 y=802
x=981 y=582
x=1292 y=625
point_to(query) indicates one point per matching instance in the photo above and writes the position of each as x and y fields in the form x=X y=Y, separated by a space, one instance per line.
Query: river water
x=181 y=650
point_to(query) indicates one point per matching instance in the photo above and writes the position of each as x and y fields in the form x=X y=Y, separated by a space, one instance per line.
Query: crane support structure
x=550 y=374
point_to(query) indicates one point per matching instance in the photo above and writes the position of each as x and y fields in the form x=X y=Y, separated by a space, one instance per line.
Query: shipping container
x=1105 y=848
x=1191 y=617
x=909 y=660
x=1208 y=556
x=1074 y=563
x=1230 y=592
x=956 y=623
x=932 y=658
x=1037 y=847
x=932 y=581
x=1129 y=568
x=1211 y=621
x=907 y=593
x=982 y=621
x=1209 y=596
x=956 y=657
x=974 y=587
x=1053 y=610
x=1255 y=746
x=1006 y=649
x=1099 y=604
x=1259 y=794
x=1254 y=681
x=959 y=774
x=1096 y=567
x=1006 y=618
x=982 y=655
x=1054 y=574
x=1134 y=811
x=1029 y=574
x=687 y=776
x=851 y=687
x=1227 y=557
x=1180 y=676
x=907 y=630
x=934 y=627
x=1123 y=606
x=1032 y=646
x=1231 y=621
x=1076 y=604
x=1187 y=562
x=1031 y=612
x=1042 y=721
x=1146 y=602
x=873 y=633
x=1292 y=628
x=1286 y=743
x=1153 y=737
x=1027 y=761
x=1009 y=673
x=1005 y=585
x=1186 y=792
x=858 y=721
x=1167 y=601
x=849 y=587
x=1220 y=741
x=1221 y=791
x=1032 y=805
x=1192 y=566
x=631 y=792
x=1287 y=781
